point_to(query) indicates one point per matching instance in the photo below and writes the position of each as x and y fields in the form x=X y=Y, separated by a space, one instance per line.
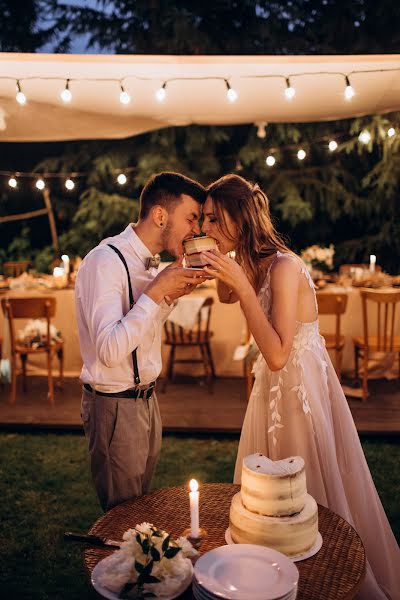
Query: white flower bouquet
x=318 y=257
x=34 y=334
x=148 y=563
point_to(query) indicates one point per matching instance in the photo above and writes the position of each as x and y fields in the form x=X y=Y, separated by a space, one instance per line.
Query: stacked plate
x=245 y=572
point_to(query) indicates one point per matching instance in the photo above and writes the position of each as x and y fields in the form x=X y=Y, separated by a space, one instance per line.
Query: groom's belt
x=139 y=393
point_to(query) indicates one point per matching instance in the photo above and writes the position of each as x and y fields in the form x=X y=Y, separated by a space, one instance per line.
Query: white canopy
x=196 y=92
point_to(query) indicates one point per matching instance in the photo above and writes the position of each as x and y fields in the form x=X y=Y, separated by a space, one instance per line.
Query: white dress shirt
x=108 y=330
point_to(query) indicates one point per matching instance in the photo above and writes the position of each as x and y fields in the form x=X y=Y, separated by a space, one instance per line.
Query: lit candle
x=194 y=508
x=372 y=262
x=60 y=279
x=65 y=259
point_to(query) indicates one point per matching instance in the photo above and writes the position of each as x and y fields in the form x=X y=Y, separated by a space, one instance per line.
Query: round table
x=335 y=572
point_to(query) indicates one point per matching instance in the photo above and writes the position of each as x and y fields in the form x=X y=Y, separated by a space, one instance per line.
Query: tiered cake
x=273 y=508
x=194 y=247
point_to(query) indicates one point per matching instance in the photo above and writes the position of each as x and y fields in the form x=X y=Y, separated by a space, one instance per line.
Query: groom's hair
x=165 y=189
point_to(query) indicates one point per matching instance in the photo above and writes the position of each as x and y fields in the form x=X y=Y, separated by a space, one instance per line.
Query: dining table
x=335 y=572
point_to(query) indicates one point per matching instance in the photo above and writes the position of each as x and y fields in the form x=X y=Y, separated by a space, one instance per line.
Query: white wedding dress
x=301 y=410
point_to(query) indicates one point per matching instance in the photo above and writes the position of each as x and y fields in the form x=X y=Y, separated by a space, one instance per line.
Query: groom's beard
x=166 y=241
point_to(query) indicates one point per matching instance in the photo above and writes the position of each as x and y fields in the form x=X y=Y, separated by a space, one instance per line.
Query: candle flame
x=194 y=486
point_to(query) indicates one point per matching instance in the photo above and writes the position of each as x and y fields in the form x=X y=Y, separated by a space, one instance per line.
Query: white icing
x=261 y=464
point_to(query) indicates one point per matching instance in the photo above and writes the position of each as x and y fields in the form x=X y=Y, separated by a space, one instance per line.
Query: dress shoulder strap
x=303 y=270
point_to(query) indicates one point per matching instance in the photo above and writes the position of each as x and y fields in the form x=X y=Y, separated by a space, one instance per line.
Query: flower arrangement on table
x=34 y=334
x=319 y=257
x=148 y=563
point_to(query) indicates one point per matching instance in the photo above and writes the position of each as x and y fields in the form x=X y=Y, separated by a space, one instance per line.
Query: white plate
x=201 y=593
x=313 y=550
x=246 y=571
x=99 y=568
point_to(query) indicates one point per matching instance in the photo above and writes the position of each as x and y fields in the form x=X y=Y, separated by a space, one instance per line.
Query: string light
x=301 y=154
x=66 y=95
x=161 y=93
x=261 y=132
x=124 y=97
x=40 y=184
x=332 y=145
x=391 y=131
x=231 y=94
x=349 y=91
x=69 y=184
x=12 y=182
x=20 y=96
x=365 y=137
x=121 y=179
x=290 y=92
x=270 y=160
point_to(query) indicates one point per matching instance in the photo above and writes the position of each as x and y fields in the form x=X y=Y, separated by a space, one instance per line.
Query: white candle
x=58 y=271
x=65 y=259
x=372 y=262
x=194 y=508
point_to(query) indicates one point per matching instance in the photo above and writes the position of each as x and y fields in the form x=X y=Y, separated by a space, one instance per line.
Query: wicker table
x=335 y=572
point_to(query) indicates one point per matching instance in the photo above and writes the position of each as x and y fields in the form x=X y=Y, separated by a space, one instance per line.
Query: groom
x=122 y=302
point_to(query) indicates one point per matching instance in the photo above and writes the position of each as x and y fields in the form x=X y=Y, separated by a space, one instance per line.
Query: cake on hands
x=273 y=508
x=194 y=247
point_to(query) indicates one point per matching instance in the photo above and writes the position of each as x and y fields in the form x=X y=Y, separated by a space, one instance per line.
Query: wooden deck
x=187 y=406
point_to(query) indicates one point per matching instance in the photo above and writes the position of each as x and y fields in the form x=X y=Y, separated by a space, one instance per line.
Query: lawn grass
x=45 y=489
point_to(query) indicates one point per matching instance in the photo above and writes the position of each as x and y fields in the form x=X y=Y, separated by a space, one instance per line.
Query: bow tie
x=152 y=262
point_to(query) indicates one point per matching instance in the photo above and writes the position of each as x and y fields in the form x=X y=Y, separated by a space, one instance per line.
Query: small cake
x=273 y=508
x=194 y=247
x=274 y=488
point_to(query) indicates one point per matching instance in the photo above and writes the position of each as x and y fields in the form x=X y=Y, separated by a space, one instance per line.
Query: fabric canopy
x=196 y=92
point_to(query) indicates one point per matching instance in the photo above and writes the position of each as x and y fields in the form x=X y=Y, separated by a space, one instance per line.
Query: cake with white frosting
x=194 y=247
x=273 y=508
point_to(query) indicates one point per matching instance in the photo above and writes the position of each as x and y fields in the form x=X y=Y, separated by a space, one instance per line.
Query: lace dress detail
x=307 y=339
x=301 y=410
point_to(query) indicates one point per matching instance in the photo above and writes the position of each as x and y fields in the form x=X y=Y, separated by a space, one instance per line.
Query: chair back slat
x=31 y=308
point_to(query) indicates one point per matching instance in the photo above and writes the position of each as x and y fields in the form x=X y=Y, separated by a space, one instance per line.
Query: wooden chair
x=32 y=308
x=15 y=268
x=384 y=338
x=331 y=303
x=200 y=335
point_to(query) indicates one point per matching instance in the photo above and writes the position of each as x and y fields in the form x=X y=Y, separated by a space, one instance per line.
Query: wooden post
x=52 y=222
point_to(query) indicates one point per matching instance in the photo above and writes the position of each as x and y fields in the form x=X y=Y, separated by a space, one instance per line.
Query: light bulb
x=290 y=92
x=121 y=179
x=261 y=133
x=66 y=95
x=349 y=90
x=231 y=94
x=12 y=182
x=20 y=96
x=69 y=184
x=365 y=137
x=40 y=184
x=124 y=97
x=332 y=145
x=301 y=154
x=161 y=93
x=270 y=160
x=391 y=131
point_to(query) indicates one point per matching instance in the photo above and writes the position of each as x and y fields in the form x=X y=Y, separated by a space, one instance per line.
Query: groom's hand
x=174 y=281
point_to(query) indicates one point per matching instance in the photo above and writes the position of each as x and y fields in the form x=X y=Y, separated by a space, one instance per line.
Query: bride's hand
x=225 y=269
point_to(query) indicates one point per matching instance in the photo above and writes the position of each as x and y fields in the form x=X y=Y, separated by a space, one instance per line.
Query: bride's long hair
x=248 y=207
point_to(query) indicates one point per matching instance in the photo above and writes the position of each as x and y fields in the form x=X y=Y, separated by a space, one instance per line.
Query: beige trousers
x=124 y=438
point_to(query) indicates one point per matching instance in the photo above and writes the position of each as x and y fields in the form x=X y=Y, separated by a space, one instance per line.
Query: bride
x=297 y=406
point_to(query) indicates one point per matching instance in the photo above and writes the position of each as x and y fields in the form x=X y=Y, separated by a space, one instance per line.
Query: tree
x=23 y=25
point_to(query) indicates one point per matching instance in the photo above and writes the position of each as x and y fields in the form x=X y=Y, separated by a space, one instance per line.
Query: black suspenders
x=131 y=302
